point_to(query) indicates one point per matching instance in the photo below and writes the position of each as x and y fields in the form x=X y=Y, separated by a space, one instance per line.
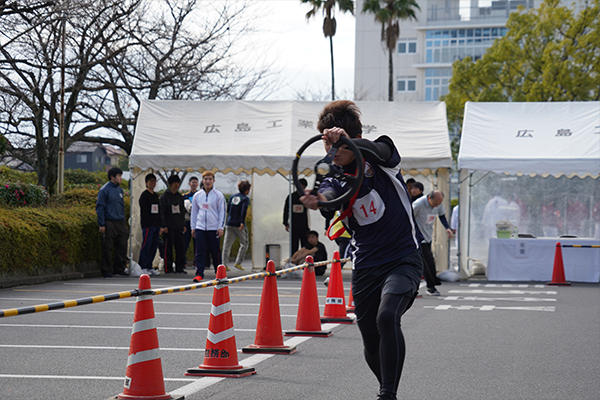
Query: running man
x=387 y=264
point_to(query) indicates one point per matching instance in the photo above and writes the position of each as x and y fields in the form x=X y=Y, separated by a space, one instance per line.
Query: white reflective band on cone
x=219 y=337
x=334 y=300
x=144 y=297
x=143 y=325
x=142 y=356
x=222 y=309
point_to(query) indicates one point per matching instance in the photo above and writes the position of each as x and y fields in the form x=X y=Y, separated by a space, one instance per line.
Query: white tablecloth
x=533 y=260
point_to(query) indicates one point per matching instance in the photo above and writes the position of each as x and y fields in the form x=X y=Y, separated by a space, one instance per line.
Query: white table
x=533 y=260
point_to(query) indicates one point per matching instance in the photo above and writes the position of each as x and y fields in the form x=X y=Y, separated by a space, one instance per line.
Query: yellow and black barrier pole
x=11 y=312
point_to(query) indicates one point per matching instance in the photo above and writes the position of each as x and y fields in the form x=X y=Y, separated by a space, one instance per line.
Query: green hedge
x=8 y=175
x=43 y=240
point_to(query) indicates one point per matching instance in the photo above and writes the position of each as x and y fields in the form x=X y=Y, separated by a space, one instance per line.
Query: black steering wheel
x=324 y=168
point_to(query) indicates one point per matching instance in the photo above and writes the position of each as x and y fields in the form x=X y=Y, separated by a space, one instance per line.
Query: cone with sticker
x=220 y=354
x=335 y=304
x=144 y=376
x=558 y=272
x=308 y=322
x=350 y=307
x=269 y=336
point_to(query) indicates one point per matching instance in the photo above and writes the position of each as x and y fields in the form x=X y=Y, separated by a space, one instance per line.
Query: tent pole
x=290 y=210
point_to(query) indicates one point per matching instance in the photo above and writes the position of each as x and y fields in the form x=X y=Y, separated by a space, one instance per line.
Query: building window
x=408 y=84
x=442 y=46
x=436 y=83
x=81 y=158
x=407 y=46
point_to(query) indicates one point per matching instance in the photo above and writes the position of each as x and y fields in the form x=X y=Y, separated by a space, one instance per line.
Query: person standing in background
x=207 y=221
x=110 y=210
x=172 y=214
x=150 y=221
x=187 y=202
x=425 y=210
x=236 y=224
x=299 y=218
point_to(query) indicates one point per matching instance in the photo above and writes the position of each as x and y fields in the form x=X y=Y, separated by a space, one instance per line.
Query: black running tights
x=383 y=340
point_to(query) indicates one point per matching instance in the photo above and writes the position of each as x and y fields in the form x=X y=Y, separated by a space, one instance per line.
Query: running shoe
x=238 y=266
x=326 y=282
x=433 y=292
x=197 y=278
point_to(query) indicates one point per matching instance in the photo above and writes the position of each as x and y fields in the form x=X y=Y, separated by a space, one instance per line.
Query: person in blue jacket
x=387 y=265
x=235 y=227
x=110 y=210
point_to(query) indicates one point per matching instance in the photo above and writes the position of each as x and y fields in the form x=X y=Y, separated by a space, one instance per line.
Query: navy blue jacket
x=109 y=205
x=382 y=224
x=236 y=209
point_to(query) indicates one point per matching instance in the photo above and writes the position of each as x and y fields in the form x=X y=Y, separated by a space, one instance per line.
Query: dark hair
x=192 y=178
x=312 y=233
x=342 y=114
x=410 y=180
x=419 y=186
x=114 y=171
x=174 y=179
x=244 y=186
x=150 y=177
x=303 y=182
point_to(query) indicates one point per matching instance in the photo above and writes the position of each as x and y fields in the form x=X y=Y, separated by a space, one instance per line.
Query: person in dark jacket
x=110 y=211
x=151 y=223
x=172 y=213
x=299 y=218
x=235 y=226
x=187 y=201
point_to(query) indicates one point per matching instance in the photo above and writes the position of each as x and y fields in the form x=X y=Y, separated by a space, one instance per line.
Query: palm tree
x=388 y=13
x=329 y=24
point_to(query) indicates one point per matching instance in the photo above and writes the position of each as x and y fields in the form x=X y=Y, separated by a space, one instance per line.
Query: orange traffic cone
x=269 y=337
x=558 y=273
x=335 y=305
x=144 y=376
x=350 y=308
x=220 y=354
x=307 y=321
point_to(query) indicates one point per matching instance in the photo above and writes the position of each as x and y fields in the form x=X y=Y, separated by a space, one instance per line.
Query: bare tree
x=117 y=53
x=171 y=57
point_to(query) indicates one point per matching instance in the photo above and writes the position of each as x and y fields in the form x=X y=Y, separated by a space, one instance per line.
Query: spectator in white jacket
x=207 y=221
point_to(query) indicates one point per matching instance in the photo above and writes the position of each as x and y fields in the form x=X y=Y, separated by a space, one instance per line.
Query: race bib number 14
x=368 y=209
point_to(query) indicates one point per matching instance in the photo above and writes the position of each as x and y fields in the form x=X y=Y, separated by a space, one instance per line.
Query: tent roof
x=557 y=138
x=263 y=137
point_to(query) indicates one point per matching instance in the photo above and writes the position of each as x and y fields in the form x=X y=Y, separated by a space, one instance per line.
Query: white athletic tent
x=539 y=160
x=260 y=139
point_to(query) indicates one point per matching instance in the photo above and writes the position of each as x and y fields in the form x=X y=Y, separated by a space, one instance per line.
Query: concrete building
x=445 y=31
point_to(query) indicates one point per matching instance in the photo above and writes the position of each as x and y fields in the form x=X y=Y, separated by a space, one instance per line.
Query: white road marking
x=446 y=307
x=476 y=298
x=251 y=361
x=95 y=378
x=504 y=285
x=236 y=286
x=164 y=328
x=483 y=291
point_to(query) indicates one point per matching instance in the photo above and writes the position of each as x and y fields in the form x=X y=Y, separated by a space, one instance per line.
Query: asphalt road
x=476 y=341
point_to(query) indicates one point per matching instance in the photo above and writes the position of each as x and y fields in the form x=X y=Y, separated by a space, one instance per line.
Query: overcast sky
x=299 y=52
